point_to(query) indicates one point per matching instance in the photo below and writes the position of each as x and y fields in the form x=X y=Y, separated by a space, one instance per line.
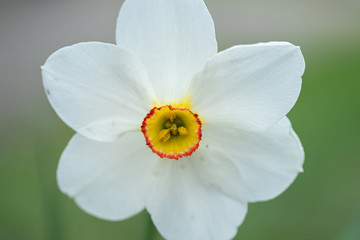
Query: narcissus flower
x=165 y=122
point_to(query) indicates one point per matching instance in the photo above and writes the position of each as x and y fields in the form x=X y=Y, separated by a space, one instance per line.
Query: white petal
x=108 y=180
x=268 y=162
x=98 y=89
x=193 y=198
x=249 y=87
x=173 y=38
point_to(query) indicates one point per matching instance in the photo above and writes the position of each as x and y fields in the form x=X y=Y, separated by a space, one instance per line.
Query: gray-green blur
x=322 y=204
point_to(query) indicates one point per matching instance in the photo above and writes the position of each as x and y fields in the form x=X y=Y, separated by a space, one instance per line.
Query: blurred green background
x=324 y=201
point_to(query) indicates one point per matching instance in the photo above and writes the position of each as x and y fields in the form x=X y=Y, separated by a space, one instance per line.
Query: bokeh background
x=324 y=201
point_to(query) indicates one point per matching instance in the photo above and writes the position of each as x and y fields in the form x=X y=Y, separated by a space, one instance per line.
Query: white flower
x=222 y=115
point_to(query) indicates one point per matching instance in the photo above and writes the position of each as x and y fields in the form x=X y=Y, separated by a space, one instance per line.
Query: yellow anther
x=182 y=131
x=164 y=135
x=168 y=124
x=173 y=129
x=170 y=115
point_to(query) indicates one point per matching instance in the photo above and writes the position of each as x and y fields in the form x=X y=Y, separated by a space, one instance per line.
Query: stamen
x=170 y=115
x=182 y=131
x=164 y=135
x=168 y=124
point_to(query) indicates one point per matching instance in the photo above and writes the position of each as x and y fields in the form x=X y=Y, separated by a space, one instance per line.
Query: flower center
x=172 y=132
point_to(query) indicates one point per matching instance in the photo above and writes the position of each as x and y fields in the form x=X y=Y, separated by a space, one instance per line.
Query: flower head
x=166 y=123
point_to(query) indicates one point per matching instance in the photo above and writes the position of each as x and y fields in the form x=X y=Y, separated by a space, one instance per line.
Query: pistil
x=173 y=129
